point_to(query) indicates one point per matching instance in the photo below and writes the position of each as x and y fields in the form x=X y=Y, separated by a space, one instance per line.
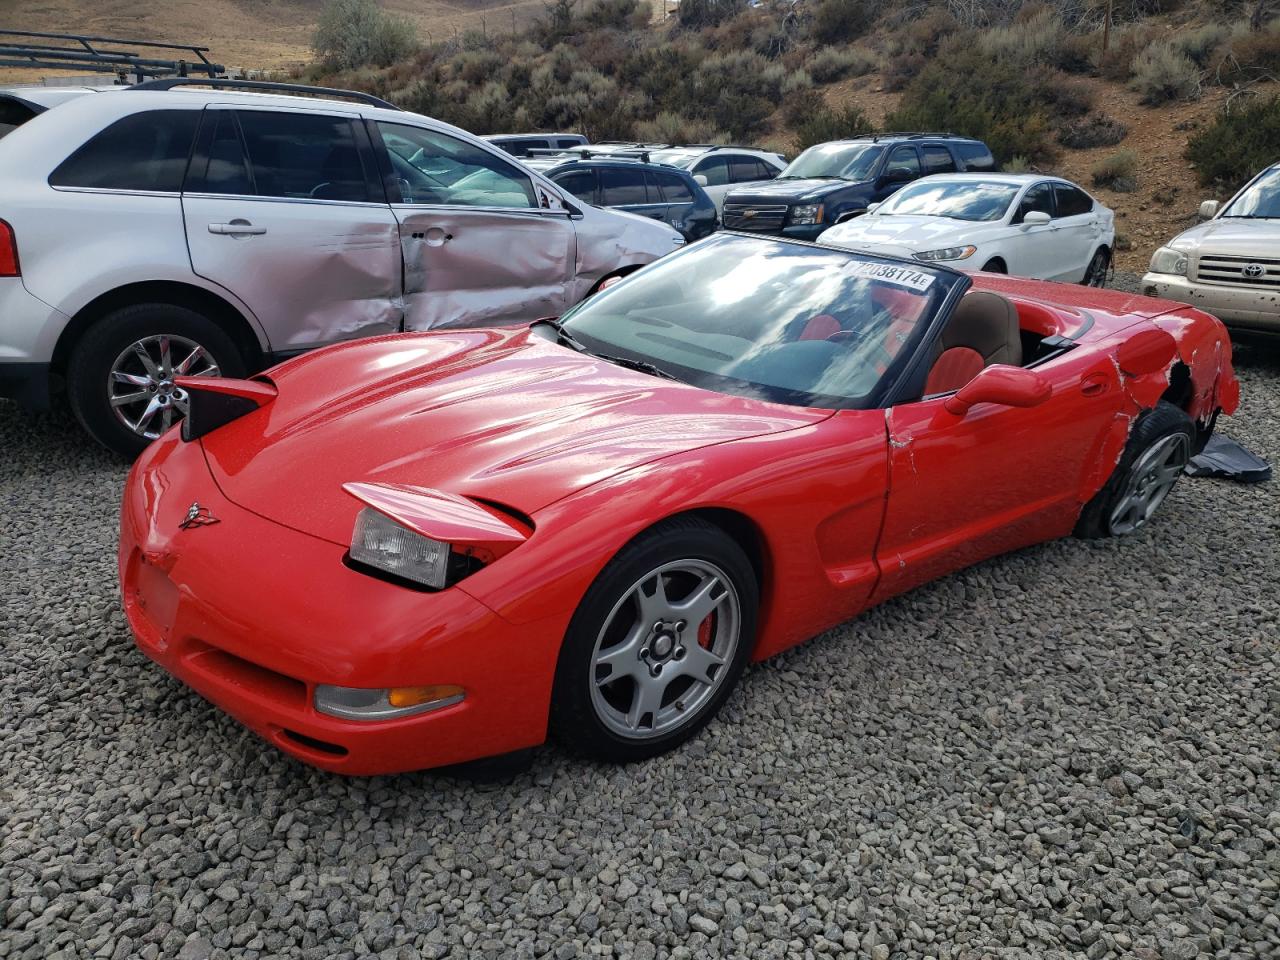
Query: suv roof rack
x=631 y=156
x=220 y=83
x=82 y=53
x=907 y=135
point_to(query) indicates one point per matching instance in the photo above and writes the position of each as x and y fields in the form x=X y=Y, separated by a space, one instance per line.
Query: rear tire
x=1159 y=446
x=639 y=673
x=1095 y=275
x=125 y=400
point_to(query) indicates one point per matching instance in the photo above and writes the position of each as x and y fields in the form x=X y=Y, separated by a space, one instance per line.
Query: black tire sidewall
x=1103 y=260
x=574 y=721
x=995 y=265
x=1152 y=426
x=97 y=349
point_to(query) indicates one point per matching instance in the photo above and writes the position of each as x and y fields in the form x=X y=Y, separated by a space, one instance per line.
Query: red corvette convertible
x=424 y=549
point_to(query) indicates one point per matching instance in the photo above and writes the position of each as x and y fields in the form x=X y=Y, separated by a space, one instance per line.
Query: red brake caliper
x=704 y=632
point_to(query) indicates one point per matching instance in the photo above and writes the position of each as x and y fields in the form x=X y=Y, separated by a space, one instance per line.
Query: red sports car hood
x=498 y=415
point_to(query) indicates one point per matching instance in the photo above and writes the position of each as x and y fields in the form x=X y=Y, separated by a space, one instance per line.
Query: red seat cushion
x=820 y=327
x=954 y=367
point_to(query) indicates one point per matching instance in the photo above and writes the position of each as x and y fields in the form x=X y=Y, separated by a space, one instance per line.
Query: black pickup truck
x=834 y=181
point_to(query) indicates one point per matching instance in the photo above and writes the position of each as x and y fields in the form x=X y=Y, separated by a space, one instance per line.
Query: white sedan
x=1028 y=225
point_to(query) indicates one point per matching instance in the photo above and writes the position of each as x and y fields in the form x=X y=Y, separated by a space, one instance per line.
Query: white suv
x=719 y=169
x=1230 y=265
x=164 y=229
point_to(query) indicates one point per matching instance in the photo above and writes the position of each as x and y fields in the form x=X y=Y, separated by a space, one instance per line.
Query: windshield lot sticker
x=889 y=273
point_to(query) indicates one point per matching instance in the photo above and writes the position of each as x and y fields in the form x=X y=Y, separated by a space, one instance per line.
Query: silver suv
x=163 y=230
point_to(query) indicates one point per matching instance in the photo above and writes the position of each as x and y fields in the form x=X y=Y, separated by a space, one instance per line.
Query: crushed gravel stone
x=1068 y=752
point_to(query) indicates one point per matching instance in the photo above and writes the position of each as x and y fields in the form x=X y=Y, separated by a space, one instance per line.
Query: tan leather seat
x=982 y=331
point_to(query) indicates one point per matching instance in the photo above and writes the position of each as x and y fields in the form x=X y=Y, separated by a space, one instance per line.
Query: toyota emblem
x=1253 y=270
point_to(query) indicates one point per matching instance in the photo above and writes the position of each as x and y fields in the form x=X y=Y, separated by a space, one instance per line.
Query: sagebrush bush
x=1201 y=44
x=737 y=91
x=1163 y=73
x=1250 y=55
x=833 y=63
x=1117 y=62
x=696 y=14
x=669 y=127
x=358 y=33
x=1237 y=145
x=1039 y=38
x=916 y=45
x=1094 y=130
x=1117 y=172
x=829 y=123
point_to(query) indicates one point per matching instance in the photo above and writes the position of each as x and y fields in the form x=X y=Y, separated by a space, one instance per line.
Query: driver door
x=483 y=243
x=1036 y=251
x=962 y=489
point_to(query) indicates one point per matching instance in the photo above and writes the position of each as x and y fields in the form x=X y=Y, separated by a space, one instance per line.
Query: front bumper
x=808 y=231
x=253 y=615
x=1238 y=307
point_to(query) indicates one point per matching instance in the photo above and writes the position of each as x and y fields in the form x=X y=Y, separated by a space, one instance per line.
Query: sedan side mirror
x=1033 y=218
x=1208 y=209
x=700 y=179
x=873 y=207
x=1002 y=384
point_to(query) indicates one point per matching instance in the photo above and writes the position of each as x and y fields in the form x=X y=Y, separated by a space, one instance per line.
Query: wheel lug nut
x=644 y=651
x=656 y=669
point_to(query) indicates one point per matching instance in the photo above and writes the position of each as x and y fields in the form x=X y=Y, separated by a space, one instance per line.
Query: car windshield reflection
x=770 y=319
x=1261 y=201
x=978 y=202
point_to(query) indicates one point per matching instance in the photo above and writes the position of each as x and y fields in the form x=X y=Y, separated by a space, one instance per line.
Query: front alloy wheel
x=657 y=643
x=141 y=385
x=663 y=650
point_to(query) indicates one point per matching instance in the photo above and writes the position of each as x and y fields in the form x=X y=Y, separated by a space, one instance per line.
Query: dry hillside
x=251 y=33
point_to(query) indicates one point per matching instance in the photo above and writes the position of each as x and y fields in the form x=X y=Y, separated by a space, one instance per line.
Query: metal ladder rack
x=22 y=48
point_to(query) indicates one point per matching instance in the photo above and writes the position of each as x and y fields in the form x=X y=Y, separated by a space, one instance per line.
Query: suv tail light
x=8 y=252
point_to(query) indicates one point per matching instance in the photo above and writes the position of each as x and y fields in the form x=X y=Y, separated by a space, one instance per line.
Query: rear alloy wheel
x=1095 y=275
x=657 y=644
x=1159 y=447
x=121 y=375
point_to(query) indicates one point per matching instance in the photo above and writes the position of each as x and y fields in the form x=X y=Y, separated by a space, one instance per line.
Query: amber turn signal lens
x=414 y=696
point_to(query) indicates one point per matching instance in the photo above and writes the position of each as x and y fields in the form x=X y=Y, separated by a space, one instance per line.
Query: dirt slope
x=249 y=33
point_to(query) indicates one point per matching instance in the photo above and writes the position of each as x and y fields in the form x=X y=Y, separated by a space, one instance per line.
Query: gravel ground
x=1067 y=752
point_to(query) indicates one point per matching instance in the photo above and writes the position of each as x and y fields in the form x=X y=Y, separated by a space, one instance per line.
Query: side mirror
x=1208 y=209
x=1034 y=218
x=700 y=179
x=897 y=176
x=873 y=207
x=1002 y=384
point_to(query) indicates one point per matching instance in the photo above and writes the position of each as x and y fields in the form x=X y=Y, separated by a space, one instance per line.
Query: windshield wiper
x=644 y=366
x=562 y=335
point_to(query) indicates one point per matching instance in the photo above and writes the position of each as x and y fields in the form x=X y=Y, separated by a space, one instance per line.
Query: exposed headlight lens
x=383 y=544
x=360 y=703
x=807 y=213
x=1167 y=260
x=948 y=253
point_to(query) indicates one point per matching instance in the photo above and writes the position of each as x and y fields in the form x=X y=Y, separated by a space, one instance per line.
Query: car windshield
x=846 y=161
x=981 y=200
x=769 y=319
x=1260 y=200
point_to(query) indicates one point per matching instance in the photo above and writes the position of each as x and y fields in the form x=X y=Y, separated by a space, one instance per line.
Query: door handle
x=236 y=228
x=1094 y=384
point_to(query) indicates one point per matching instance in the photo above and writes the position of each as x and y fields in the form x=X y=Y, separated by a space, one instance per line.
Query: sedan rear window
x=143 y=151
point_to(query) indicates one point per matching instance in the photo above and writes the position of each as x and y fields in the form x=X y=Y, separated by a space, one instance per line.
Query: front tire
x=657 y=644
x=995 y=265
x=1158 y=449
x=120 y=378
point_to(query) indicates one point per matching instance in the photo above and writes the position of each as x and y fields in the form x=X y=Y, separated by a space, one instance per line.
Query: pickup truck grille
x=754 y=216
x=1239 y=271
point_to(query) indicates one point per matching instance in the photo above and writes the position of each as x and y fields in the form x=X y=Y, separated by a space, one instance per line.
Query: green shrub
x=1117 y=63
x=1117 y=172
x=737 y=91
x=1237 y=145
x=1200 y=45
x=828 y=123
x=1094 y=130
x=358 y=33
x=966 y=91
x=1018 y=165
x=916 y=45
x=833 y=63
x=1162 y=73
x=615 y=13
x=696 y=14
x=839 y=21
x=1251 y=54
